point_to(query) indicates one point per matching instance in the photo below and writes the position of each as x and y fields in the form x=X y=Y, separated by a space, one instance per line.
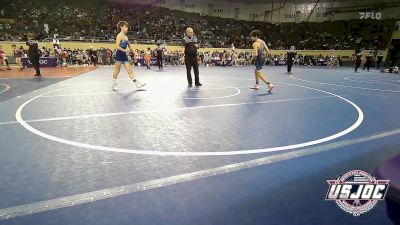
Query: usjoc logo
x=356 y=192
x=41 y=62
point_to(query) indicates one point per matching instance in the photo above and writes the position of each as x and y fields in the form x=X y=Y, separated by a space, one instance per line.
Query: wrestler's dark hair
x=256 y=33
x=121 y=24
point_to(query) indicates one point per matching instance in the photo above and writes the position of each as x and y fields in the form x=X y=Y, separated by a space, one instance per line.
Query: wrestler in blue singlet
x=121 y=56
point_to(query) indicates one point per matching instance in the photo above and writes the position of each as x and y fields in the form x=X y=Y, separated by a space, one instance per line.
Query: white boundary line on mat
x=360 y=118
x=373 y=81
x=345 y=86
x=89 y=197
x=6 y=89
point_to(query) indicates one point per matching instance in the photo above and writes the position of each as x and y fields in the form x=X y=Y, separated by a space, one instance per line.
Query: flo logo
x=370 y=15
x=356 y=192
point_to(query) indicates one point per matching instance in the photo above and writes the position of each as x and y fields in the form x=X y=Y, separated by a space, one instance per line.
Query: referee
x=190 y=44
x=33 y=53
x=159 y=54
x=291 y=54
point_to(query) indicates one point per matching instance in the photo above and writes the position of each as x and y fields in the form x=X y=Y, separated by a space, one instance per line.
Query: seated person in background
x=394 y=69
x=3 y=59
x=79 y=58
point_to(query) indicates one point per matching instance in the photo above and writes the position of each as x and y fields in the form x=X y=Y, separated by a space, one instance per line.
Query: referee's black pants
x=289 y=66
x=192 y=62
x=35 y=63
x=160 y=62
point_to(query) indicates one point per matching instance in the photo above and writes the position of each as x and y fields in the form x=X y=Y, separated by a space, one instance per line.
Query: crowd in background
x=94 y=22
x=91 y=21
x=100 y=57
x=104 y=56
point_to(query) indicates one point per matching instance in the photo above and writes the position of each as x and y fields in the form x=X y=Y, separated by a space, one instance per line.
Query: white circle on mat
x=355 y=125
